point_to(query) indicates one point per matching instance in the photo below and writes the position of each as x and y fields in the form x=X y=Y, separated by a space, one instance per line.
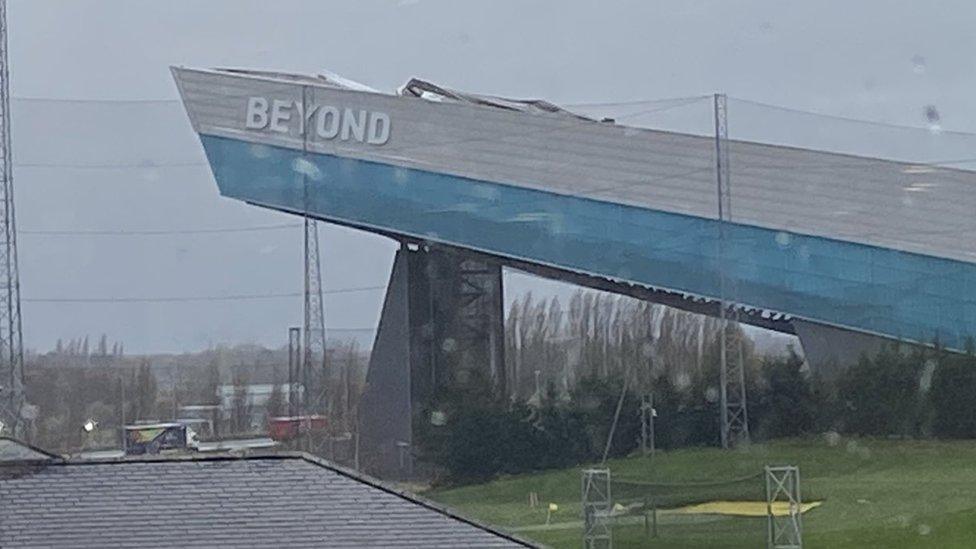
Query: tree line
x=569 y=366
x=68 y=386
x=603 y=350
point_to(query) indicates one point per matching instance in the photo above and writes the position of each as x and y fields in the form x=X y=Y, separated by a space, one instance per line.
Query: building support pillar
x=441 y=330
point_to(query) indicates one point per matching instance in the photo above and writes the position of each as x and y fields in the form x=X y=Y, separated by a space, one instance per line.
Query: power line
x=113 y=165
x=151 y=101
x=178 y=164
x=687 y=99
x=850 y=119
x=664 y=105
x=27 y=99
x=655 y=109
x=186 y=299
x=139 y=232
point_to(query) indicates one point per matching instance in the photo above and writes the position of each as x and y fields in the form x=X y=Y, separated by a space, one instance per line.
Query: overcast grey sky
x=137 y=166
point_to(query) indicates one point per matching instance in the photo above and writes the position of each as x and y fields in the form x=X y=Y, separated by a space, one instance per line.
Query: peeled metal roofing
x=274 y=501
x=423 y=89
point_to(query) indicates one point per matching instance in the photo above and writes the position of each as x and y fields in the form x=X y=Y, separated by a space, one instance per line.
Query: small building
x=272 y=500
x=251 y=399
x=153 y=438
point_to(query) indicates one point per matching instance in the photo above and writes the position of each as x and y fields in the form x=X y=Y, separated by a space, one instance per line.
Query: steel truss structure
x=314 y=375
x=441 y=333
x=734 y=415
x=314 y=369
x=783 y=485
x=294 y=370
x=11 y=338
x=478 y=302
x=597 y=508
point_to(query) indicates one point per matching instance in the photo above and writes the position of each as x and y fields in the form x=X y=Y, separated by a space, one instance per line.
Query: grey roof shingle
x=269 y=501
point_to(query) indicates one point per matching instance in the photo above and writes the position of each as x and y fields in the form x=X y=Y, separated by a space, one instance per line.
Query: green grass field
x=887 y=494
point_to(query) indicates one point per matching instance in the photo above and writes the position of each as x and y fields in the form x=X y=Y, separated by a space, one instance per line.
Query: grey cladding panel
x=857 y=199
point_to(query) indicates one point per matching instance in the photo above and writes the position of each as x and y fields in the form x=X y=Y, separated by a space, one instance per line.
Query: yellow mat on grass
x=742 y=508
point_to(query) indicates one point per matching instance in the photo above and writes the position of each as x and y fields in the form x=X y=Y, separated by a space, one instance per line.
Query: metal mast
x=315 y=380
x=314 y=374
x=597 y=509
x=734 y=417
x=11 y=339
x=294 y=370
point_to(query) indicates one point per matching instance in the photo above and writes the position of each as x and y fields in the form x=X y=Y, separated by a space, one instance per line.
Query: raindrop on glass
x=647 y=349
x=151 y=174
x=400 y=175
x=449 y=345
x=918 y=64
x=804 y=254
x=306 y=168
x=258 y=150
x=783 y=239
x=933 y=118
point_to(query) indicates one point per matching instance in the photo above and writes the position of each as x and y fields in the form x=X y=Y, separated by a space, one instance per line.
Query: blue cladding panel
x=879 y=290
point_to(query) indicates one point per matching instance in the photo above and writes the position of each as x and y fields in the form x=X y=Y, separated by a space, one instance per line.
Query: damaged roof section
x=415 y=87
x=432 y=92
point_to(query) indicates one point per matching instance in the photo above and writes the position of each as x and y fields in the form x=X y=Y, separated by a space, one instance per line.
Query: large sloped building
x=846 y=252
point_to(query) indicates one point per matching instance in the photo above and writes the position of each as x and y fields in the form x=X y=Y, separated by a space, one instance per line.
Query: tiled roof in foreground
x=285 y=500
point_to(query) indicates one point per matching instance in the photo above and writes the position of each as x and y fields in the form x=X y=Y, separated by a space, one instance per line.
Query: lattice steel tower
x=314 y=375
x=784 y=530
x=597 y=508
x=734 y=414
x=11 y=340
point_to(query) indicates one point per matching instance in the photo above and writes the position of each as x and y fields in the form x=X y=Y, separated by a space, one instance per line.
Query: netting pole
x=734 y=421
x=647 y=414
x=616 y=417
x=597 y=506
x=783 y=485
x=647 y=528
x=654 y=519
x=294 y=370
x=316 y=379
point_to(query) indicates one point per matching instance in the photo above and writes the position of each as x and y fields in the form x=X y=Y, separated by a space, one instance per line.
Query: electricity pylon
x=734 y=414
x=11 y=338
x=314 y=374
